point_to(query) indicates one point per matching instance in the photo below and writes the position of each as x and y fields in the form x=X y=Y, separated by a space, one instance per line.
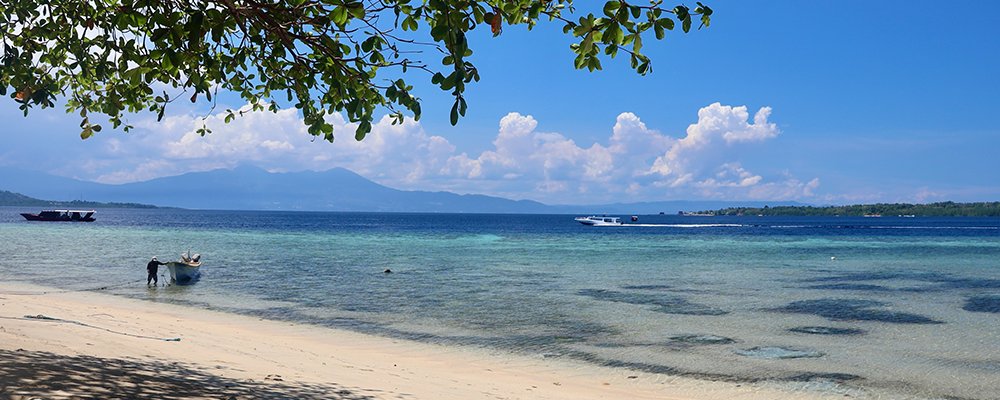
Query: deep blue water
x=826 y=303
x=330 y=222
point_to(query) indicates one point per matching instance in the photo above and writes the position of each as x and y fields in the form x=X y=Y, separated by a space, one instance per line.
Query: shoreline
x=106 y=346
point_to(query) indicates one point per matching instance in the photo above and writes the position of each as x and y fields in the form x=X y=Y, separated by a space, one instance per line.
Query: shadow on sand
x=36 y=374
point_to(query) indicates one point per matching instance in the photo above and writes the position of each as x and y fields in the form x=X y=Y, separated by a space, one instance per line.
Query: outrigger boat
x=186 y=271
x=61 y=216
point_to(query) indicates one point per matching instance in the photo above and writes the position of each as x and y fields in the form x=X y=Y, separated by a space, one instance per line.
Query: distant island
x=251 y=188
x=941 y=209
x=8 y=198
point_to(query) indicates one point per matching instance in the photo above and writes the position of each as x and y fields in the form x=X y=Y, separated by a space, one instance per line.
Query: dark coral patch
x=989 y=304
x=854 y=310
x=774 y=352
x=647 y=287
x=701 y=339
x=823 y=377
x=667 y=304
x=826 y=330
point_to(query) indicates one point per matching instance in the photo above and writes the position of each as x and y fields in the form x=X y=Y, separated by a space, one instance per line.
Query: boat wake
x=686 y=225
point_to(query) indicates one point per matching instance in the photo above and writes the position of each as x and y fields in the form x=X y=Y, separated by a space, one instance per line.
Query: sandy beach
x=59 y=344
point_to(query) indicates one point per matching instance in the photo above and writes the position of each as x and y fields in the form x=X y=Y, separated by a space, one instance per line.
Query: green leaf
x=666 y=23
x=594 y=64
x=449 y=82
x=610 y=7
x=614 y=34
x=587 y=44
x=368 y=44
x=611 y=50
x=195 y=31
x=454 y=113
x=174 y=58
x=356 y=9
x=409 y=24
x=643 y=68
x=363 y=129
x=339 y=16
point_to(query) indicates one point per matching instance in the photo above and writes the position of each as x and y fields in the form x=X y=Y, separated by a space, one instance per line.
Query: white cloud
x=397 y=154
x=710 y=142
x=731 y=175
x=635 y=163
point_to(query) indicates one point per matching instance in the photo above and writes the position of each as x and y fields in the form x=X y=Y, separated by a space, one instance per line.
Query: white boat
x=186 y=271
x=594 y=220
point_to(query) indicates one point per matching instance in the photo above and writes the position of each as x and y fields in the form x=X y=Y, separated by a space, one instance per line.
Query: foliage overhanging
x=115 y=57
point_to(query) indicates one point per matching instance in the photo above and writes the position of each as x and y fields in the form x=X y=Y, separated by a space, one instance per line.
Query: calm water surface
x=871 y=307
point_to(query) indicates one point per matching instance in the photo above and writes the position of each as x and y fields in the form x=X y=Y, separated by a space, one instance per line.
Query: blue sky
x=860 y=102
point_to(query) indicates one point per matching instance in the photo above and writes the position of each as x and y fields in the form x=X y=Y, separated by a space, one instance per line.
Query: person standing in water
x=152 y=267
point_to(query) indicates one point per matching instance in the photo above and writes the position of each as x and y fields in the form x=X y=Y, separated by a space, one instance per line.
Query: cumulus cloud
x=709 y=143
x=556 y=166
x=635 y=162
x=277 y=142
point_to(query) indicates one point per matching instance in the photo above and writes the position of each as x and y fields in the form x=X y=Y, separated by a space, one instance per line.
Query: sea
x=887 y=308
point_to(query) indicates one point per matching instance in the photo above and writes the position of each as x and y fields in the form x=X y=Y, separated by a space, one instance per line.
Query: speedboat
x=186 y=271
x=594 y=220
x=61 y=215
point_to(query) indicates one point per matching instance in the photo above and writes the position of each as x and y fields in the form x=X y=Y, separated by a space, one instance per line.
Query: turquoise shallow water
x=892 y=307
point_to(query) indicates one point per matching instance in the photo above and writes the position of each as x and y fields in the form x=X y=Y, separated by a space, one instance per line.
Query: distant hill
x=942 y=209
x=250 y=188
x=666 y=207
x=19 y=200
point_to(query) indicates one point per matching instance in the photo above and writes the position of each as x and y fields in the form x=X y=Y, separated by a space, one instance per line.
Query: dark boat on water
x=61 y=216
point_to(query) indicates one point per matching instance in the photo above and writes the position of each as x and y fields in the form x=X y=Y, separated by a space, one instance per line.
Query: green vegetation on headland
x=19 y=200
x=942 y=209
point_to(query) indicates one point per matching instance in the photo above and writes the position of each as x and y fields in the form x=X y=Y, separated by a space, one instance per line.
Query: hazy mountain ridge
x=338 y=189
x=16 y=199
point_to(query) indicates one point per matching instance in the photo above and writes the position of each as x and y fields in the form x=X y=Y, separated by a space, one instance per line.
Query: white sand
x=222 y=355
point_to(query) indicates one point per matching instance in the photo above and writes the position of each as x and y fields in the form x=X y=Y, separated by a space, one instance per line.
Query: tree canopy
x=940 y=209
x=115 y=57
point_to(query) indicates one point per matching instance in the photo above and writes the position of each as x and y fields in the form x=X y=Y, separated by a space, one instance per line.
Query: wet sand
x=56 y=344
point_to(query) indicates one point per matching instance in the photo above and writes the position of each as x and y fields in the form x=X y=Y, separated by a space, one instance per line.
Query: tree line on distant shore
x=8 y=198
x=941 y=209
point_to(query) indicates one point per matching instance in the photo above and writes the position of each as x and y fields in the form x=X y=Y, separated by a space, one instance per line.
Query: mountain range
x=338 y=189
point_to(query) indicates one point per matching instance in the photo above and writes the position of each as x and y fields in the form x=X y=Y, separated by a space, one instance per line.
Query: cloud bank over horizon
x=634 y=163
